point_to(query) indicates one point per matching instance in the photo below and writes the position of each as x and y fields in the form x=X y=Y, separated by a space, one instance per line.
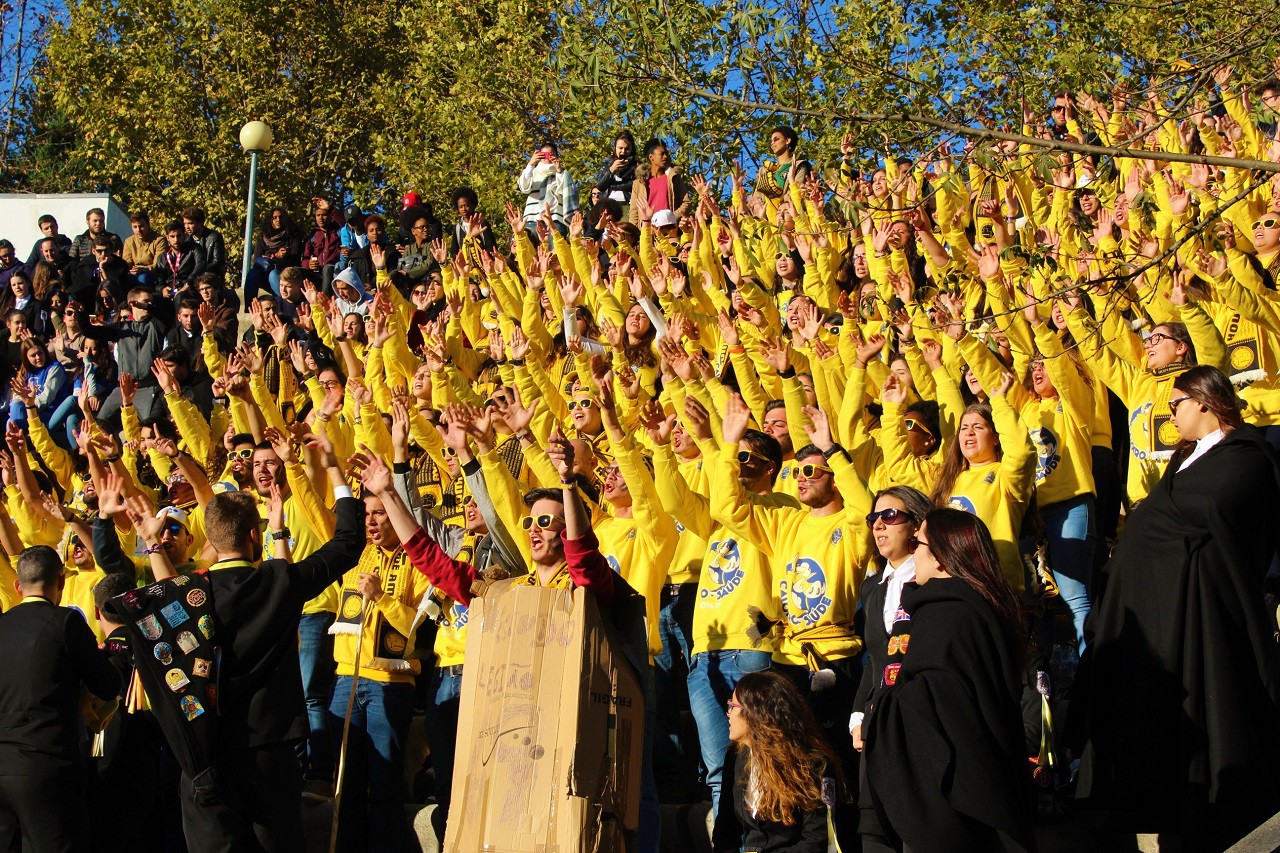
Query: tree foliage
x=368 y=99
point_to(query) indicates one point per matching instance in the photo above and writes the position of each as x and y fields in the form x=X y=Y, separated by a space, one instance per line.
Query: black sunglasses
x=892 y=515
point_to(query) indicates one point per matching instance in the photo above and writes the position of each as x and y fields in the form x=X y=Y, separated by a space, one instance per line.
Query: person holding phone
x=547 y=186
x=618 y=172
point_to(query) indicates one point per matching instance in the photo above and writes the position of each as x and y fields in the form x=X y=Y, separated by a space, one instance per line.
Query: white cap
x=176 y=514
x=663 y=218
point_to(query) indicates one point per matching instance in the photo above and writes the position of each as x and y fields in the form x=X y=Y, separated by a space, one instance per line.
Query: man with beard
x=735 y=580
x=166 y=533
x=816 y=554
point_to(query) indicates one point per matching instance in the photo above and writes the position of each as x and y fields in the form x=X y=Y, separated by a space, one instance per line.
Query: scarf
x=390 y=650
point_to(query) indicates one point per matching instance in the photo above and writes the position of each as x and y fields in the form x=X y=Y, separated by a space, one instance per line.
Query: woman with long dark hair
x=1179 y=708
x=945 y=754
x=279 y=245
x=782 y=773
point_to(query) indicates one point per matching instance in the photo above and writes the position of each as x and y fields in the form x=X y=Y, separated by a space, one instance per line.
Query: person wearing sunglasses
x=734 y=574
x=955 y=687
x=894 y=521
x=1193 y=555
x=1145 y=387
x=910 y=436
x=781 y=771
x=818 y=553
x=239 y=468
x=139 y=341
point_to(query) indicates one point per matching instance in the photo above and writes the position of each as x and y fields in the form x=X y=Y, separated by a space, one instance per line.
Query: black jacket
x=360 y=261
x=1177 y=700
x=191 y=262
x=213 y=252
x=945 y=753
x=48 y=652
x=86 y=281
x=608 y=182
x=875 y=640
x=737 y=829
x=257 y=611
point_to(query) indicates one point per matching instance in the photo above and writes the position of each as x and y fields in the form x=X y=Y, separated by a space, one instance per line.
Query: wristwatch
x=282 y=533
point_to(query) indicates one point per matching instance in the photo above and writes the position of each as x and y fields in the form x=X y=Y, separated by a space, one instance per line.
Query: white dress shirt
x=893 y=580
x=1203 y=446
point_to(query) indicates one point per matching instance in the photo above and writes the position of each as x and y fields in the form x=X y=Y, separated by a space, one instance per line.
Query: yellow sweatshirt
x=999 y=492
x=817 y=562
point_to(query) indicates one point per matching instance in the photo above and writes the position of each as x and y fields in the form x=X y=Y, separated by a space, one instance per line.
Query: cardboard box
x=550 y=727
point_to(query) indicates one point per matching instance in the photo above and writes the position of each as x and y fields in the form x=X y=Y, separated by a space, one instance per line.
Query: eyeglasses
x=734 y=706
x=330 y=383
x=920 y=543
x=745 y=456
x=418 y=291
x=1176 y=402
x=912 y=423
x=1155 y=338
x=146 y=305
x=418 y=228
x=450 y=452
x=542 y=522
x=173 y=528
x=892 y=515
x=70 y=312
x=74 y=543
x=1268 y=222
x=244 y=453
x=580 y=404
x=810 y=472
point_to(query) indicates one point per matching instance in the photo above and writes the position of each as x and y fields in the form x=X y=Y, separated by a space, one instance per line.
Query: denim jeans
x=64 y=422
x=315 y=658
x=442 y=737
x=263 y=275
x=712 y=678
x=1072 y=533
x=670 y=677
x=373 y=792
x=649 y=833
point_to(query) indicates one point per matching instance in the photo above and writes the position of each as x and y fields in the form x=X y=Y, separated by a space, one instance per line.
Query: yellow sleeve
x=317 y=515
x=262 y=398
x=57 y=459
x=213 y=358
x=192 y=427
x=687 y=506
x=1018 y=462
x=507 y=498
x=1120 y=376
x=652 y=521
x=372 y=432
x=733 y=508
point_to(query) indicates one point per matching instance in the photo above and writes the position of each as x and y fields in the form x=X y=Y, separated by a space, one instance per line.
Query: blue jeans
x=65 y=422
x=263 y=275
x=670 y=677
x=712 y=678
x=315 y=659
x=442 y=737
x=1072 y=533
x=373 y=792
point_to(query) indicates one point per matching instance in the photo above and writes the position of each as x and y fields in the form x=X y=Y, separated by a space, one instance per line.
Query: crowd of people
x=949 y=483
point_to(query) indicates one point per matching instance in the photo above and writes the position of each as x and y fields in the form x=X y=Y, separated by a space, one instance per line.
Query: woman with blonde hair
x=782 y=774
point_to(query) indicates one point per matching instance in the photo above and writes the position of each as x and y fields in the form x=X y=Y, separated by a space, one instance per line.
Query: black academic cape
x=944 y=749
x=1178 y=695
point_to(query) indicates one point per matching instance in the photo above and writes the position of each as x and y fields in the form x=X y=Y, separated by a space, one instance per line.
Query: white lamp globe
x=255 y=136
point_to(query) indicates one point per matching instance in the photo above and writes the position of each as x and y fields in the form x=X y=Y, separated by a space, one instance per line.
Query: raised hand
x=697 y=419
x=127 y=389
x=163 y=373
x=736 y=417
x=560 y=450
x=818 y=428
x=893 y=391
x=657 y=422
x=281 y=441
x=359 y=392
x=374 y=474
x=869 y=349
x=777 y=354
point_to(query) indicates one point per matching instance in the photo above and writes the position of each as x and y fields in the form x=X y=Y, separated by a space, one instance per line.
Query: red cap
x=410 y=199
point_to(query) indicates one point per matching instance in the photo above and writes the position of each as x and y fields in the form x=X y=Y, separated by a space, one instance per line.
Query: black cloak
x=945 y=751
x=1177 y=705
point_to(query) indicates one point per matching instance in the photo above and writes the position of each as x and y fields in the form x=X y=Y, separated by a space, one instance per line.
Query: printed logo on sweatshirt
x=724 y=572
x=804 y=592
x=457 y=618
x=1047 y=456
x=961 y=502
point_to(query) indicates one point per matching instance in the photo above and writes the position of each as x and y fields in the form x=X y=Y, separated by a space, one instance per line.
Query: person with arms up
x=49 y=653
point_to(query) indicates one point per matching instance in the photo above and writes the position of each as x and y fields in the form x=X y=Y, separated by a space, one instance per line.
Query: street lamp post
x=254 y=137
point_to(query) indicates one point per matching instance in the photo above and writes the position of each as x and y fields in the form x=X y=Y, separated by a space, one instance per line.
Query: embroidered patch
x=150 y=627
x=176 y=679
x=837 y=535
x=181 y=580
x=191 y=707
x=206 y=626
x=891 y=673
x=164 y=653
x=155 y=591
x=200 y=667
x=900 y=615
x=174 y=613
x=196 y=597
x=187 y=642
